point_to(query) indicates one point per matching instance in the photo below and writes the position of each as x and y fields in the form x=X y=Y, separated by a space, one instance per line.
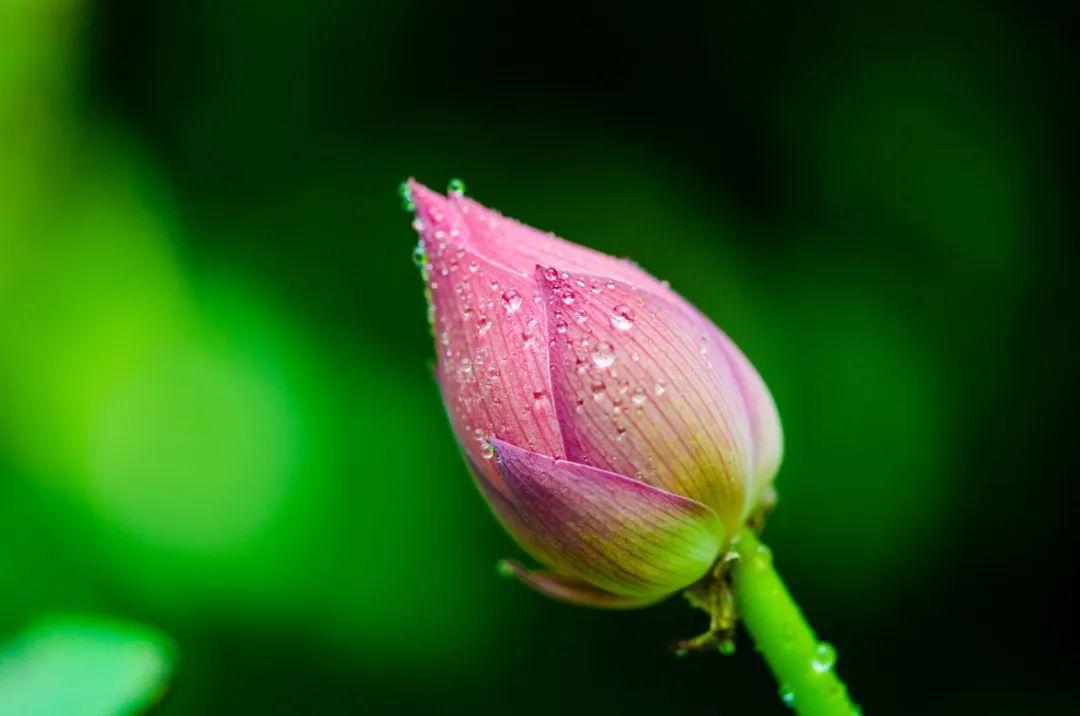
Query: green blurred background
x=216 y=411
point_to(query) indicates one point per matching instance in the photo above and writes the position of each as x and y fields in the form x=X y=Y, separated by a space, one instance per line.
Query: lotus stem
x=802 y=665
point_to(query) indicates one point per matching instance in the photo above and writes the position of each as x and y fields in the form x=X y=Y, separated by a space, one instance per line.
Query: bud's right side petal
x=638 y=392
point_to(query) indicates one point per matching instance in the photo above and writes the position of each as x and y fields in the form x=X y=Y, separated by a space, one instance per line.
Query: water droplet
x=466 y=365
x=473 y=266
x=551 y=275
x=787 y=695
x=456 y=187
x=483 y=324
x=824 y=657
x=406 y=197
x=581 y=316
x=511 y=300
x=487 y=451
x=598 y=389
x=661 y=388
x=419 y=255
x=639 y=397
x=604 y=355
x=704 y=345
x=622 y=317
x=418 y=225
x=560 y=326
x=566 y=296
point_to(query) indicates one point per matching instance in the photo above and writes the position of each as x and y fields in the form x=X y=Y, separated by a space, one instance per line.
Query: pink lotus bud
x=617 y=434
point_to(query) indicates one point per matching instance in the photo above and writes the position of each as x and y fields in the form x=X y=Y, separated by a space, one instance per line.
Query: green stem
x=802 y=665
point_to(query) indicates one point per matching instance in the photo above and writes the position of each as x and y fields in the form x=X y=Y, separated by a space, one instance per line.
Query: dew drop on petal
x=661 y=388
x=787 y=695
x=639 y=397
x=487 y=451
x=483 y=324
x=622 y=317
x=551 y=275
x=604 y=355
x=511 y=300
x=456 y=187
x=406 y=197
x=419 y=255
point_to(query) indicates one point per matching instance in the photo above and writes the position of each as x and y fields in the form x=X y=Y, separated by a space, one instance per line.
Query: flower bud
x=617 y=434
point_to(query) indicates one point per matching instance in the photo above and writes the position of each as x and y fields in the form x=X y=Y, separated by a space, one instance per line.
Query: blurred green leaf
x=85 y=666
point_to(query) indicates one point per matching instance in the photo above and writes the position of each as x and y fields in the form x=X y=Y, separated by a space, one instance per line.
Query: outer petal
x=491 y=339
x=565 y=588
x=640 y=390
x=507 y=513
x=614 y=532
x=570 y=589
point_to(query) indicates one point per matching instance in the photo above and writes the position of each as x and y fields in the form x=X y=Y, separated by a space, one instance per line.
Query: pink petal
x=570 y=589
x=615 y=533
x=496 y=496
x=765 y=431
x=640 y=391
x=522 y=247
x=491 y=340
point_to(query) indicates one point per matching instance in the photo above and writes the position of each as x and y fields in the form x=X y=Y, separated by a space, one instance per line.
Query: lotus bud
x=617 y=434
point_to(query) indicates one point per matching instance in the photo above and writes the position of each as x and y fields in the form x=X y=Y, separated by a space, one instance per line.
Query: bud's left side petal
x=490 y=337
x=616 y=533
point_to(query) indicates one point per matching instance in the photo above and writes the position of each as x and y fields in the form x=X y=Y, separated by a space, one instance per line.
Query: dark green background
x=216 y=411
